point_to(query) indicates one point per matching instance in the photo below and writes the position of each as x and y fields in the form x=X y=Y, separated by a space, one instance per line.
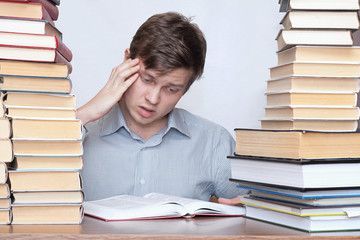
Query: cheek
x=169 y=102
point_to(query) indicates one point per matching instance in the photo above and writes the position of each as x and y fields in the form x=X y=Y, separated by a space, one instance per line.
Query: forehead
x=179 y=76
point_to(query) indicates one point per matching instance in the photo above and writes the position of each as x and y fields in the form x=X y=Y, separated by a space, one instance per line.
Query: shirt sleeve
x=225 y=146
x=84 y=132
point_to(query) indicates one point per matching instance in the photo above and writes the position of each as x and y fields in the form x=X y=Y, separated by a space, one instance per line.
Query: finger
x=230 y=201
x=130 y=63
x=130 y=81
x=125 y=74
x=125 y=85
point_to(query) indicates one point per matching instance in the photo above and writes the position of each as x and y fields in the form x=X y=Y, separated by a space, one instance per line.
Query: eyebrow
x=176 y=85
x=143 y=72
x=152 y=77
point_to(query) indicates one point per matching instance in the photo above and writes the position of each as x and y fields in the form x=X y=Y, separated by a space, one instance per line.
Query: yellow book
x=296 y=209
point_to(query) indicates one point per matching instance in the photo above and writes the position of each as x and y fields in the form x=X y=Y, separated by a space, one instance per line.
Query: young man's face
x=151 y=97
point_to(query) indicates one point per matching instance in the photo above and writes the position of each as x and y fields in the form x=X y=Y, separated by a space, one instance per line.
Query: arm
x=119 y=81
x=227 y=191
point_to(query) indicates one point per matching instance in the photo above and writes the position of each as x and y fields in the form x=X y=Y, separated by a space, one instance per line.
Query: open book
x=155 y=205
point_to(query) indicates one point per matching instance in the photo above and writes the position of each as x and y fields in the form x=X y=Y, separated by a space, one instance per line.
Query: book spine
x=46 y=16
x=51 y=9
x=63 y=49
x=61 y=59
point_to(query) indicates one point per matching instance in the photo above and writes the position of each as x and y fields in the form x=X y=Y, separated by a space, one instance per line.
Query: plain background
x=241 y=49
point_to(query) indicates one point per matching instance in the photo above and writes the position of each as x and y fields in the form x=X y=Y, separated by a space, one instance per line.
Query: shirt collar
x=114 y=120
x=178 y=121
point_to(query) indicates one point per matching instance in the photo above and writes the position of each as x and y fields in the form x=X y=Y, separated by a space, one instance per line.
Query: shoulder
x=200 y=125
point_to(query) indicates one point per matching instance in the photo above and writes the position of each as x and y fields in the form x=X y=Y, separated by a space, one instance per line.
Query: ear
x=127 y=54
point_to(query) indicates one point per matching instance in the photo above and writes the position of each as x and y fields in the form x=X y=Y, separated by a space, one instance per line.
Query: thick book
x=24 y=10
x=51 y=148
x=289 y=38
x=297 y=144
x=40 y=113
x=313 y=84
x=51 y=8
x=31 y=26
x=4 y=190
x=321 y=20
x=26 y=42
x=297 y=174
x=6 y=150
x=47 y=163
x=47 y=197
x=316 y=69
x=155 y=205
x=35 y=84
x=3 y=173
x=299 y=210
x=303 y=98
x=5 y=203
x=44 y=129
x=34 y=69
x=312 y=112
x=47 y=214
x=5 y=128
x=38 y=180
x=313 y=202
x=319 y=54
x=333 y=125
x=60 y=101
x=298 y=193
x=33 y=55
x=5 y=216
x=286 y=5
x=308 y=224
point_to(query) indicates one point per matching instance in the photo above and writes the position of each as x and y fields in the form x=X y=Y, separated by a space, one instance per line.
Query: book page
x=130 y=207
x=194 y=206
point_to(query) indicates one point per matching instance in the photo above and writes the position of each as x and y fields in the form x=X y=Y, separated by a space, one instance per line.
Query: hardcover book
x=155 y=205
x=297 y=144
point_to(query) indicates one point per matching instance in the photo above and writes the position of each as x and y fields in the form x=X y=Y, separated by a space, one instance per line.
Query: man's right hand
x=121 y=78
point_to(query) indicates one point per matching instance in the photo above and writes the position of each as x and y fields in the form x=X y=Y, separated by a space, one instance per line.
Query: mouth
x=146 y=112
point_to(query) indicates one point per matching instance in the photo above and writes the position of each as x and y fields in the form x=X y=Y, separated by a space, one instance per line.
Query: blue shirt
x=187 y=158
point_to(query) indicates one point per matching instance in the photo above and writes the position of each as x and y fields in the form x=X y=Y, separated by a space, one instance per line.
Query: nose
x=153 y=96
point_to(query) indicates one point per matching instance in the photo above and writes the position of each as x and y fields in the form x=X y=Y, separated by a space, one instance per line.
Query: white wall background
x=241 y=49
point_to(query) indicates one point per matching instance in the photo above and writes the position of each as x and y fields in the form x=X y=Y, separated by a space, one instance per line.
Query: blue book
x=298 y=193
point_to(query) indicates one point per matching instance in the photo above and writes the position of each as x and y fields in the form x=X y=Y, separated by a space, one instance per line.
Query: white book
x=155 y=205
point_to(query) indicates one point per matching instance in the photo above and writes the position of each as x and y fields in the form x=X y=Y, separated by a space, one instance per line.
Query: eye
x=173 y=90
x=146 y=80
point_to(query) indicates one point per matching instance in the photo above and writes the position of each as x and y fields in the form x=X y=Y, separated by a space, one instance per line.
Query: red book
x=24 y=10
x=49 y=6
x=40 y=41
x=33 y=55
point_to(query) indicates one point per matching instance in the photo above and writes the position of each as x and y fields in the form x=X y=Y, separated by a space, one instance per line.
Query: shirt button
x=142 y=181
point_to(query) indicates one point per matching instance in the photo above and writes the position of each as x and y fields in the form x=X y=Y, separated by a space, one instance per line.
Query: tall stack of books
x=303 y=166
x=6 y=156
x=42 y=144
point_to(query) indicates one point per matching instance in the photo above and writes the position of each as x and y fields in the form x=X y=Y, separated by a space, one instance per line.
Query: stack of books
x=315 y=84
x=42 y=145
x=6 y=156
x=302 y=168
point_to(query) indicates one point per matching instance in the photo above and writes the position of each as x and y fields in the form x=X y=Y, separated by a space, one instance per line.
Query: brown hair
x=169 y=41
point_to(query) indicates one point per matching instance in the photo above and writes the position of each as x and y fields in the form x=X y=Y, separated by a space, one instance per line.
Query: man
x=140 y=142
